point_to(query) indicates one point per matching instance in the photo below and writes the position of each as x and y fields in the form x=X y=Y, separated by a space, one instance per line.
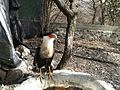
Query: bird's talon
x=40 y=75
x=50 y=74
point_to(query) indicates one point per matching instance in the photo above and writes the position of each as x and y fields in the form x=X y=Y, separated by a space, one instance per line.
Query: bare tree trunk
x=102 y=12
x=70 y=13
x=95 y=10
x=71 y=27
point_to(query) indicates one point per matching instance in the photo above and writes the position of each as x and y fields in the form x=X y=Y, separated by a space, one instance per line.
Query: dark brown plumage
x=44 y=54
x=40 y=62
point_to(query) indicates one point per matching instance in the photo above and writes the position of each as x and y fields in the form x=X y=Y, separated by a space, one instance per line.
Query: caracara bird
x=44 y=54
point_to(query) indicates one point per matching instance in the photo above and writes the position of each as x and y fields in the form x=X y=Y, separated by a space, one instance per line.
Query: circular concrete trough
x=65 y=78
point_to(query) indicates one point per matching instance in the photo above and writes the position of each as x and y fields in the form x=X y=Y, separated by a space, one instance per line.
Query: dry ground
x=100 y=59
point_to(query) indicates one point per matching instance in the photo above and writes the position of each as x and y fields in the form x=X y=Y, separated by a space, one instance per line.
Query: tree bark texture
x=102 y=13
x=95 y=10
x=71 y=27
x=70 y=12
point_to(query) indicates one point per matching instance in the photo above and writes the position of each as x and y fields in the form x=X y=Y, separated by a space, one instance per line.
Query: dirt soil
x=100 y=59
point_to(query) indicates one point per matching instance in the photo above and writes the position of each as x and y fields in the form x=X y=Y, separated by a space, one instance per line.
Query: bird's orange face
x=52 y=35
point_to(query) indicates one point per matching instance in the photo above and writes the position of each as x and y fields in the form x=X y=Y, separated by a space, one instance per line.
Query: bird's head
x=50 y=36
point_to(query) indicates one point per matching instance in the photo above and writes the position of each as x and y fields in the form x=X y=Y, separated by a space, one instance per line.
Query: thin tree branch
x=65 y=10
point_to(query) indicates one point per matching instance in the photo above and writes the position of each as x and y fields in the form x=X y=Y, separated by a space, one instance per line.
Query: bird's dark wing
x=38 y=61
x=48 y=61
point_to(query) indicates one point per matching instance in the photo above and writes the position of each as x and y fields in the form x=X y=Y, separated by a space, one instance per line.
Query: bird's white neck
x=48 y=42
x=47 y=47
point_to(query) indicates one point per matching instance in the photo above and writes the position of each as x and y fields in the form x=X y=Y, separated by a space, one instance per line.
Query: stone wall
x=92 y=32
x=95 y=32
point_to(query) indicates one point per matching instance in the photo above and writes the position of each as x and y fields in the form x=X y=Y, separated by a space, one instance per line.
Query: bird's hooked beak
x=55 y=36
